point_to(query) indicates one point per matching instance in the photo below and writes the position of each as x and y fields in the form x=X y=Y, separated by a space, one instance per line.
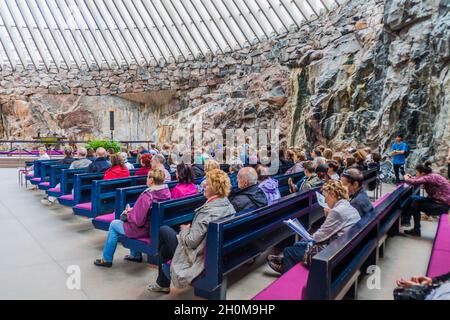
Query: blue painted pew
x=170 y=213
x=82 y=188
x=233 y=241
x=334 y=272
x=66 y=185
x=40 y=172
x=103 y=193
x=54 y=175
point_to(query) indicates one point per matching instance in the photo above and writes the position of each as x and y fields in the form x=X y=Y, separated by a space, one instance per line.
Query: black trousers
x=168 y=243
x=417 y=204
x=397 y=169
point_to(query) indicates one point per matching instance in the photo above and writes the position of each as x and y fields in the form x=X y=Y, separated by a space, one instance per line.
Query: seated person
x=209 y=166
x=233 y=173
x=186 y=249
x=129 y=165
x=299 y=159
x=117 y=170
x=322 y=172
x=423 y=288
x=340 y=218
x=68 y=156
x=352 y=179
x=437 y=202
x=249 y=195
x=146 y=165
x=90 y=154
x=333 y=168
x=318 y=159
x=42 y=156
x=135 y=222
x=185 y=186
x=360 y=159
x=81 y=162
x=101 y=163
x=267 y=184
x=311 y=179
x=158 y=162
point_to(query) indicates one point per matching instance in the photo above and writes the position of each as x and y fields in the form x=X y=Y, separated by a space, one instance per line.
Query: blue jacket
x=400 y=158
x=99 y=165
x=361 y=202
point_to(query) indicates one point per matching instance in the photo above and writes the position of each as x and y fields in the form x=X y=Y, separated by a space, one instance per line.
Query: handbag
x=315 y=249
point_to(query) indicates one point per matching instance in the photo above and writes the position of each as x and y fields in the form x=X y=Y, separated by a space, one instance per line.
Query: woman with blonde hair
x=186 y=249
x=135 y=222
x=340 y=217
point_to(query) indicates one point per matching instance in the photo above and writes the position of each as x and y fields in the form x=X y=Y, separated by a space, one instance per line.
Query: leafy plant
x=95 y=144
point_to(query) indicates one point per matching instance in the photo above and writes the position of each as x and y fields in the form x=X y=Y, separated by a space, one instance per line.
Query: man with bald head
x=101 y=164
x=249 y=196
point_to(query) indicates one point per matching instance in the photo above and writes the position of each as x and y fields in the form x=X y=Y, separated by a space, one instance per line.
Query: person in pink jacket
x=135 y=223
x=185 y=186
x=437 y=202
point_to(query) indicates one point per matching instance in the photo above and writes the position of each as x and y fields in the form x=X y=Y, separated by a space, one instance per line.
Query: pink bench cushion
x=106 y=217
x=379 y=201
x=289 y=286
x=45 y=184
x=439 y=264
x=55 y=190
x=67 y=197
x=84 y=206
x=36 y=179
x=442 y=241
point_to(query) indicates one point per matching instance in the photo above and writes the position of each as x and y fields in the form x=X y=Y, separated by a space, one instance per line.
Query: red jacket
x=116 y=172
x=143 y=171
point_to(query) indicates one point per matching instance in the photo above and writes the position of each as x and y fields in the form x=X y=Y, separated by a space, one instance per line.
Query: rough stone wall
x=360 y=75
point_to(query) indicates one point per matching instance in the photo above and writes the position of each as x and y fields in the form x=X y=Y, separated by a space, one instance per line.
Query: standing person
x=399 y=149
x=187 y=248
x=118 y=169
x=437 y=202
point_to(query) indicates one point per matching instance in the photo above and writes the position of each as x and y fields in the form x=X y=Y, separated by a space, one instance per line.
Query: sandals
x=102 y=263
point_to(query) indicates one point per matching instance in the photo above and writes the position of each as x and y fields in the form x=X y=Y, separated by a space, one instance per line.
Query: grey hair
x=249 y=175
x=160 y=158
x=82 y=152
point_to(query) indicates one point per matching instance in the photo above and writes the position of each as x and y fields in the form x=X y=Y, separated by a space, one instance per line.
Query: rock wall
x=357 y=76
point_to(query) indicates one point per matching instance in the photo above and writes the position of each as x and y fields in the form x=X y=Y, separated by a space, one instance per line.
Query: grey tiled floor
x=38 y=244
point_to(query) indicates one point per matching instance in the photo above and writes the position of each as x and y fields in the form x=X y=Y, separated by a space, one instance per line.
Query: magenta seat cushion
x=439 y=264
x=36 y=179
x=106 y=217
x=67 y=197
x=379 y=201
x=55 y=190
x=84 y=206
x=30 y=175
x=289 y=286
x=45 y=184
x=442 y=241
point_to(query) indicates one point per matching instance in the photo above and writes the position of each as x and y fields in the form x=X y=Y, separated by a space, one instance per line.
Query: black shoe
x=413 y=232
x=133 y=259
x=102 y=263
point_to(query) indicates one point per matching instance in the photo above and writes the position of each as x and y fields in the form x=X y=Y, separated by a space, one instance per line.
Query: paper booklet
x=298 y=228
x=321 y=200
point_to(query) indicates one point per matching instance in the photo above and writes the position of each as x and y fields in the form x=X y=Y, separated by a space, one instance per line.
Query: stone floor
x=38 y=244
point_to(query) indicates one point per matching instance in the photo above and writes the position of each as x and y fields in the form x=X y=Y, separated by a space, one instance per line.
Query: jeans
x=168 y=243
x=115 y=230
x=417 y=204
x=293 y=255
x=397 y=169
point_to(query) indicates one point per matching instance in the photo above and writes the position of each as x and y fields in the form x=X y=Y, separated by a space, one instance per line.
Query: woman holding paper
x=340 y=217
